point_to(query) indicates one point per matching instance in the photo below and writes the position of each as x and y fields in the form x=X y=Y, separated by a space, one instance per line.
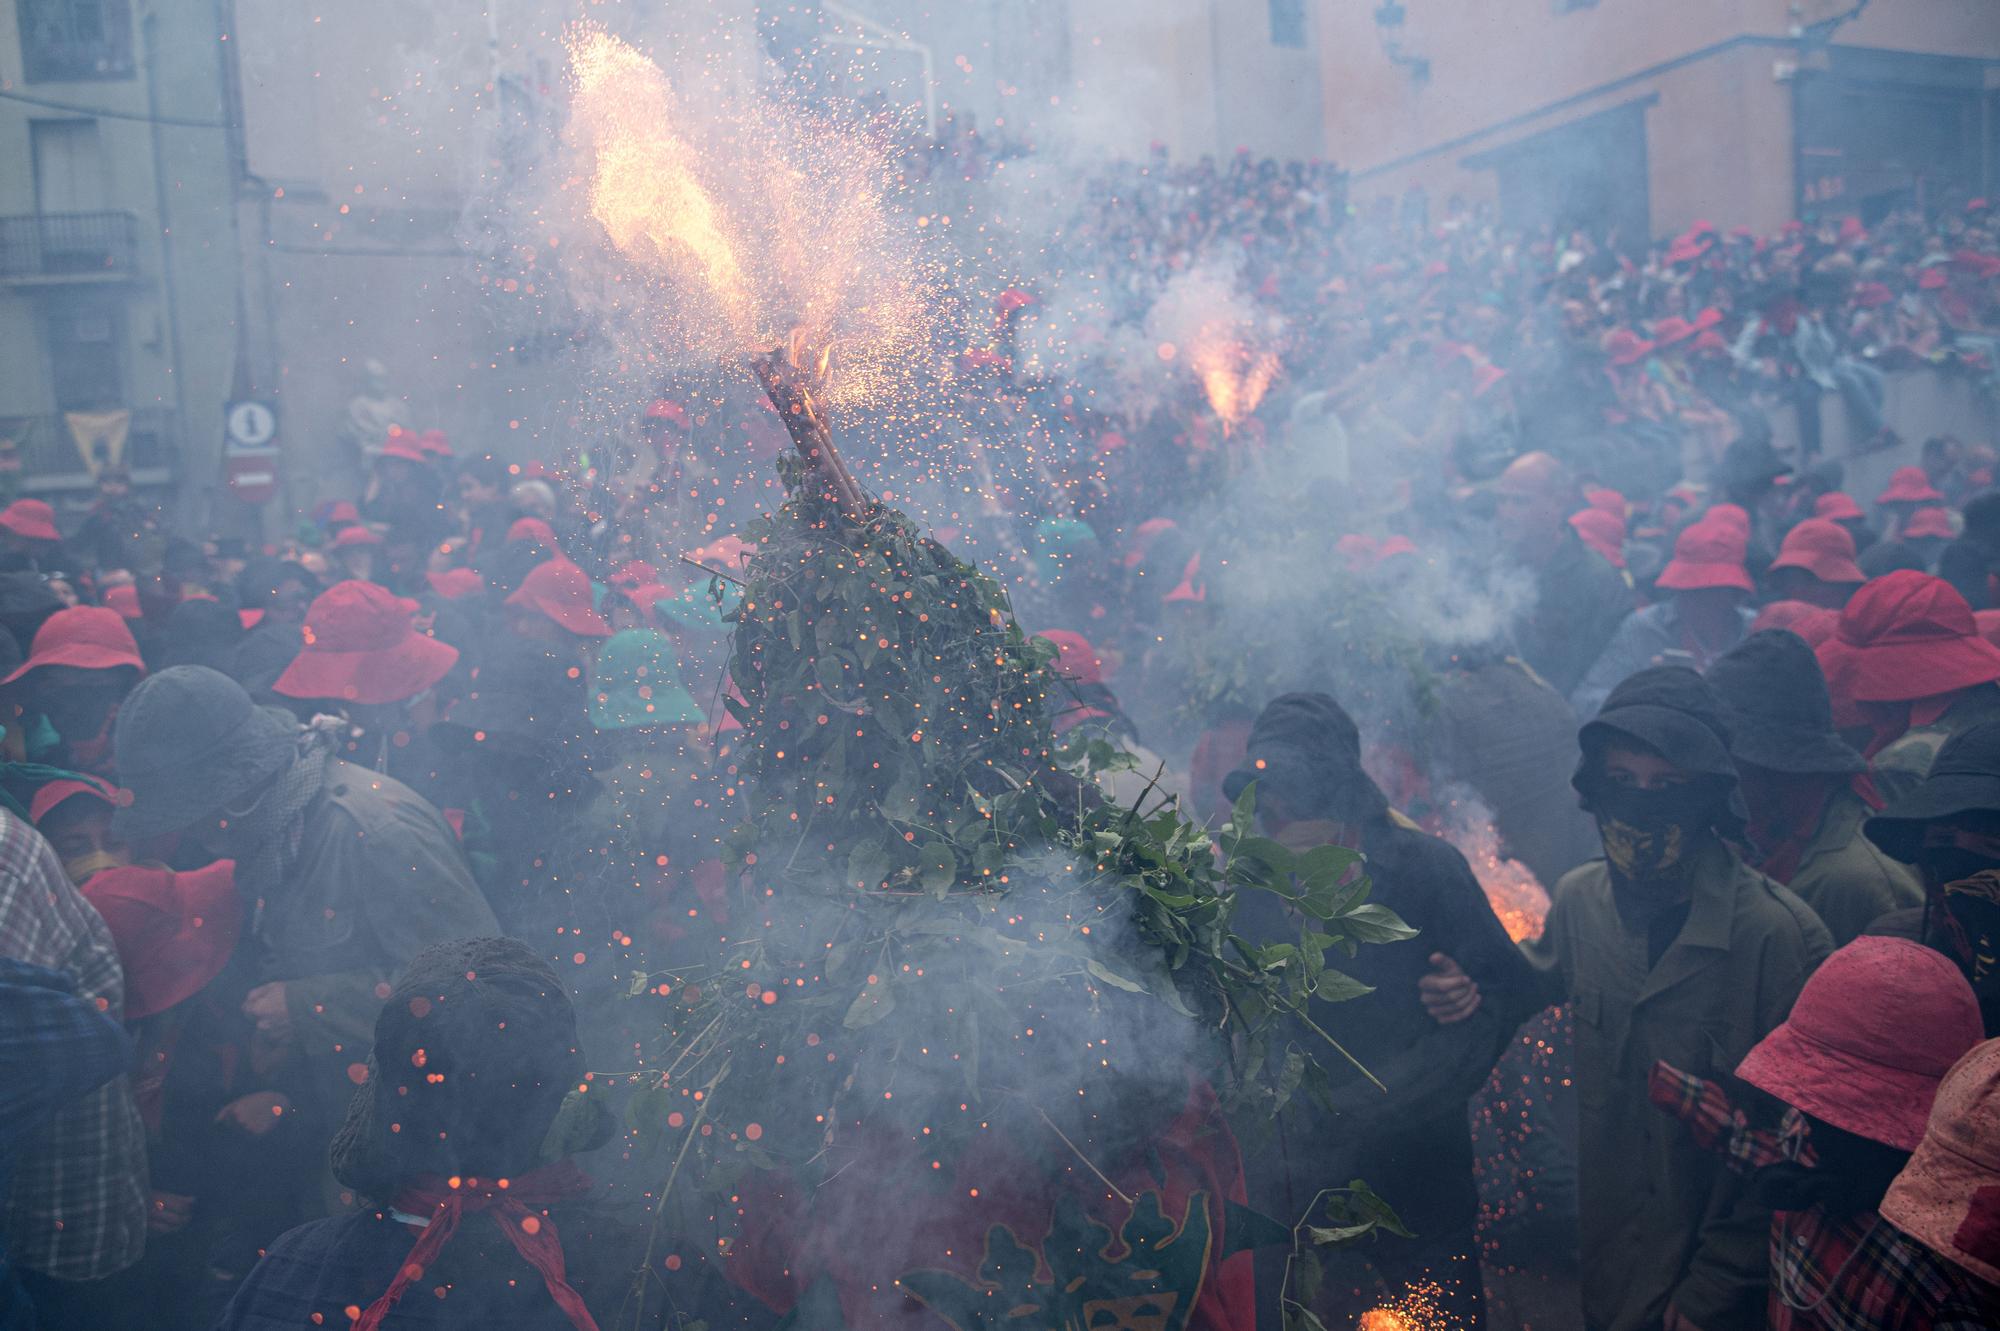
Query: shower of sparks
x=1419 y=1308
x=749 y=222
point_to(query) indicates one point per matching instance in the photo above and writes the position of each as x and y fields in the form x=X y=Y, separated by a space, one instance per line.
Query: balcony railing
x=68 y=246
x=45 y=457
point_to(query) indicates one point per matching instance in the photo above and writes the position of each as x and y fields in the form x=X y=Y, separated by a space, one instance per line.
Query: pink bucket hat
x=1948 y=1197
x=1868 y=1039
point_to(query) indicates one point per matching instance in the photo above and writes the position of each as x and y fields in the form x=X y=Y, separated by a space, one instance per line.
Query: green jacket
x=1664 y=1221
x=378 y=878
x=1847 y=881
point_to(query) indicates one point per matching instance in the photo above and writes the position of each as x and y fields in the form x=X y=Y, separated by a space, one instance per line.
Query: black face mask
x=1653 y=834
x=1940 y=865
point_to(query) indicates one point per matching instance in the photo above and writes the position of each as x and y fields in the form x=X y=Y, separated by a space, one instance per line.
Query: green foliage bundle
x=940 y=926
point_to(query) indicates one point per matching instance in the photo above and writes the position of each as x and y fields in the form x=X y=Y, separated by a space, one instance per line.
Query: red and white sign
x=253 y=477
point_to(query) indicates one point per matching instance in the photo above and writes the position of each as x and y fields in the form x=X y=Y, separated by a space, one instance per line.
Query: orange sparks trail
x=1514 y=892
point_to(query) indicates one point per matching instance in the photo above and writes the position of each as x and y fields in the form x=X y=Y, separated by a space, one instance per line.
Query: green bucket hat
x=638 y=684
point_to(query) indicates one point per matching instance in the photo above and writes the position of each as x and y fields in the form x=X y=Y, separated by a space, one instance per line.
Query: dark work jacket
x=378 y=878
x=1968 y=565
x=1580 y=600
x=1664 y=1220
x=1411 y=1143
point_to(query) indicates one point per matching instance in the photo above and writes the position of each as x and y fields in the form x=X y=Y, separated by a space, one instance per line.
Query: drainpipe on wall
x=177 y=413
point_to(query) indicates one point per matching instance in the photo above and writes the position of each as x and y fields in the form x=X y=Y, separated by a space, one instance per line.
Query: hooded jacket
x=1664 y=1221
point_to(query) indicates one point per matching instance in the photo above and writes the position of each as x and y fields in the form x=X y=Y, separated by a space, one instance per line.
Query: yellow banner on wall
x=100 y=437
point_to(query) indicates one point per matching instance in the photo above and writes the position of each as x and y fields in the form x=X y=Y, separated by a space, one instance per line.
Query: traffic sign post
x=250 y=424
x=250 y=454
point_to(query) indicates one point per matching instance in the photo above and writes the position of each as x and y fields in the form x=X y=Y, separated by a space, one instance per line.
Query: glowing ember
x=1421 y=1307
x=1516 y=895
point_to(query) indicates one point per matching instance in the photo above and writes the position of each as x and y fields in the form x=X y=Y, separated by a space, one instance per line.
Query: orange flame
x=1233 y=375
x=745 y=219
x=1512 y=889
x=646 y=188
x=1383 y=1319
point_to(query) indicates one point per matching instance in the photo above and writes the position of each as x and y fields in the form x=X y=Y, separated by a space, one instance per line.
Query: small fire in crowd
x=1512 y=889
x=1419 y=1308
x=1234 y=375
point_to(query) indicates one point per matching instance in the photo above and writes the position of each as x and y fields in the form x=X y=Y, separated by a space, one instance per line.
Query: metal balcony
x=44 y=459
x=68 y=247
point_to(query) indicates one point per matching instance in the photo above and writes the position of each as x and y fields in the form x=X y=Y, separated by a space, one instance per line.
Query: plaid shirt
x=77 y=1207
x=1847 y=1273
x=1861 y=1273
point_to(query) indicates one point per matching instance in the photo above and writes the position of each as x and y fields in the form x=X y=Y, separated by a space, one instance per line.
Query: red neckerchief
x=516 y=1206
x=1893 y=720
x=1782 y=835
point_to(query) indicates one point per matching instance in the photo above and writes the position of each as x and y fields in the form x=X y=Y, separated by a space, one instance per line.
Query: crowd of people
x=315 y=854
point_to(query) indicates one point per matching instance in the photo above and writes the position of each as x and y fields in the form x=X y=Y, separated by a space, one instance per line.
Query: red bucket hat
x=532 y=529
x=88 y=637
x=1869 y=1037
x=1603 y=532
x=434 y=442
x=30 y=519
x=666 y=409
x=1076 y=659
x=1191 y=586
x=124 y=598
x=403 y=444
x=1933 y=523
x=1607 y=499
x=57 y=793
x=1707 y=554
x=343 y=514
x=1906 y=635
x=1822 y=548
x=360 y=647
x=1910 y=485
x=174 y=931
x=1732 y=516
x=1837 y=506
x=1672 y=329
x=1814 y=623
x=1625 y=347
x=1948 y=1197
x=561 y=590
x=456 y=582
x=356 y=535
x=1142 y=540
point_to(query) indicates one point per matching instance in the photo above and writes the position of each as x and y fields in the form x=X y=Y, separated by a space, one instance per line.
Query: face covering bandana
x=83 y=866
x=1964 y=924
x=1651 y=834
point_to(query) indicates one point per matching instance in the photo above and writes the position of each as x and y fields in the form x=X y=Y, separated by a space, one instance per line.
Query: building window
x=86 y=354
x=65 y=41
x=1288 y=22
